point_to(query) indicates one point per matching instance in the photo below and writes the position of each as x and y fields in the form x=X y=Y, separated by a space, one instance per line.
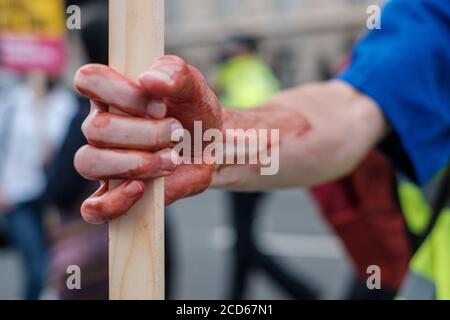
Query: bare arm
x=325 y=129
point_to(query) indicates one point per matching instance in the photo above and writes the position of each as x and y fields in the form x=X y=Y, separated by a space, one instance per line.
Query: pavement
x=289 y=229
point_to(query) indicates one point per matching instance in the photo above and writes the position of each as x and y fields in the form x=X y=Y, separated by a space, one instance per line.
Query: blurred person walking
x=246 y=81
x=7 y=82
x=31 y=130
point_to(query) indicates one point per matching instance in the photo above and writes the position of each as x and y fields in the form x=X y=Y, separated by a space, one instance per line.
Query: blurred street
x=290 y=231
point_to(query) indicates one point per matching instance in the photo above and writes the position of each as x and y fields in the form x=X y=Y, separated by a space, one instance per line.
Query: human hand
x=137 y=145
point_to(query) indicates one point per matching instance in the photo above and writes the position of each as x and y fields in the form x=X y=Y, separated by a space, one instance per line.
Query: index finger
x=107 y=86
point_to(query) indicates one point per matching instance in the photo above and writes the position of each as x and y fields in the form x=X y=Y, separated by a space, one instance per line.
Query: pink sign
x=26 y=53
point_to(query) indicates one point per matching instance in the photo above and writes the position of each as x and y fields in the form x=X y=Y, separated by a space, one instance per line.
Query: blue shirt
x=405 y=68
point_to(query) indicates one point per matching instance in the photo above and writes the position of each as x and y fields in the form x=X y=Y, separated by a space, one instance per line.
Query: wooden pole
x=136 y=241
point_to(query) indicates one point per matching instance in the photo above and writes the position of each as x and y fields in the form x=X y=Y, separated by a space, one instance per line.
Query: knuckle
x=82 y=79
x=175 y=124
x=90 y=126
x=93 y=68
x=175 y=63
x=78 y=81
x=81 y=74
x=162 y=131
x=85 y=127
x=88 y=129
x=81 y=160
x=76 y=78
x=174 y=59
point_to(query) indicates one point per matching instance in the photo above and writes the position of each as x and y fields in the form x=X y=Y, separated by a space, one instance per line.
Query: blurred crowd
x=40 y=192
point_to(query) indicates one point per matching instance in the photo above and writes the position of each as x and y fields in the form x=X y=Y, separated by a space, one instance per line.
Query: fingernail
x=169 y=160
x=156 y=74
x=177 y=132
x=91 y=219
x=157 y=109
x=133 y=189
x=91 y=213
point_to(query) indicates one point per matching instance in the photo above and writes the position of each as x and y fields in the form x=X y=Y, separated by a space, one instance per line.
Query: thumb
x=170 y=77
x=185 y=91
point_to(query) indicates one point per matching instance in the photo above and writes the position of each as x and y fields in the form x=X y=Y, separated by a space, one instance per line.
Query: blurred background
x=219 y=245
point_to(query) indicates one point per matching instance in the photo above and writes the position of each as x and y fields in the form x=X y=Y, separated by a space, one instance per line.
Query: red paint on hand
x=134 y=146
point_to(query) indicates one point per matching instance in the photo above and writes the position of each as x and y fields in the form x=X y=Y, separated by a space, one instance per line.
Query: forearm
x=325 y=130
x=313 y=134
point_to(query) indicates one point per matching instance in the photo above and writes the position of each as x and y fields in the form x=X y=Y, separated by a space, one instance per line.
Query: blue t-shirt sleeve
x=405 y=68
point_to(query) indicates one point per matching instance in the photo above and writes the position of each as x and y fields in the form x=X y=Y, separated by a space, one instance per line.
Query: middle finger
x=107 y=130
x=105 y=164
